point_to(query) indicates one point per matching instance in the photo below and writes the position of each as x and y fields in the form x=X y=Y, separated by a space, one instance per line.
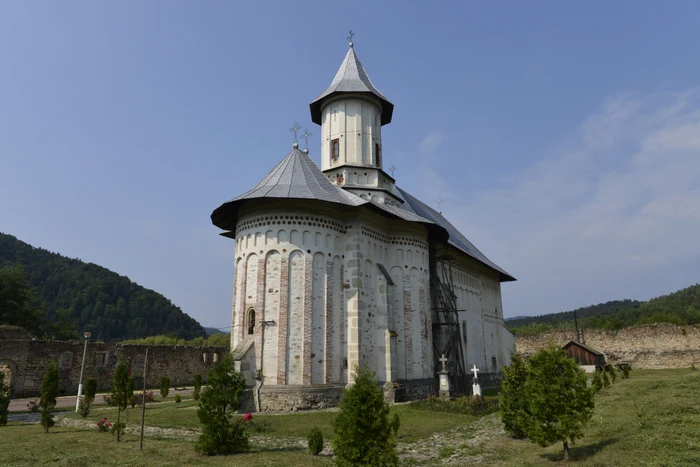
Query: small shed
x=584 y=355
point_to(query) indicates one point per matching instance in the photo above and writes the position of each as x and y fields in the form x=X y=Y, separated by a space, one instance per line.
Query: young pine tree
x=221 y=435
x=197 y=386
x=49 y=391
x=129 y=388
x=604 y=377
x=513 y=404
x=625 y=372
x=597 y=383
x=613 y=375
x=120 y=382
x=4 y=399
x=559 y=398
x=90 y=388
x=363 y=433
x=164 y=387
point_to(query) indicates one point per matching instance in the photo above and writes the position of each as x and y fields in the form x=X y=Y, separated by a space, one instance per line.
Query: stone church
x=338 y=266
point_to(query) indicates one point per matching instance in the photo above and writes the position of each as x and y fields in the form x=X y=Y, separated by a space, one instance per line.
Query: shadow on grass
x=578 y=453
x=279 y=449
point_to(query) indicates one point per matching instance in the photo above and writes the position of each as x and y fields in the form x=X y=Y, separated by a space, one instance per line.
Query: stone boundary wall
x=28 y=360
x=652 y=346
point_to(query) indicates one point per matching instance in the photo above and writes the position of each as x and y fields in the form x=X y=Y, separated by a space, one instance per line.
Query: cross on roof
x=392 y=168
x=439 y=204
x=294 y=130
x=475 y=370
x=350 y=37
x=443 y=359
x=306 y=136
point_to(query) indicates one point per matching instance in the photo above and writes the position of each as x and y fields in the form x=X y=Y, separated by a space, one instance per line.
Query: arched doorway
x=9 y=369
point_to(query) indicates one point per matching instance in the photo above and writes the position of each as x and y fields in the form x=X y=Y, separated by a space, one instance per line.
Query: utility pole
x=143 y=398
x=86 y=335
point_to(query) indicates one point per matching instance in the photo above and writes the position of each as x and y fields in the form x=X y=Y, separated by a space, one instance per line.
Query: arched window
x=251 y=321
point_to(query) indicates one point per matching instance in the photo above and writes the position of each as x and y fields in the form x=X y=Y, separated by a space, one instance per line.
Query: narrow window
x=251 y=321
x=335 y=150
x=494 y=363
x=378 y=154
x=464 y=332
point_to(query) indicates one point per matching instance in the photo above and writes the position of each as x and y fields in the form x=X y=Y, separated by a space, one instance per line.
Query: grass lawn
x=415 y=424
x=651 y=419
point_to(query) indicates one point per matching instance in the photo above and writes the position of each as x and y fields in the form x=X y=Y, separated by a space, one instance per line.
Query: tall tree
x=119 y=392
x=49 y=391
x=217 y=404
x=560 y=401
x=364 y=435
x=19 y=305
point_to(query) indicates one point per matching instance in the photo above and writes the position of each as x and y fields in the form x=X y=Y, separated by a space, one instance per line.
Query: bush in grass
x=217 y=405
x=84 y=406
x=164 y=386
x=613 y=375
x=197 y=386
x=514 y=409
x=178 y=399
x=129 y=388
x=49 y=391
x=33 y=406
x=139 y=397
x=132 y=400
x=120 y=381
x=597 y=383
x=90 y=388
x=604 y=377
x=4 y=399
x=559 y=399
x=315 y=441
x=363 y=433
x=625 y=372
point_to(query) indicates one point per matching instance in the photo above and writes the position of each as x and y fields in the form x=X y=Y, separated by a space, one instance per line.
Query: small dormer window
x=335 y=150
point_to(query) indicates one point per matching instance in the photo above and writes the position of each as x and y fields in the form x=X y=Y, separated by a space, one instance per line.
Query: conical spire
x=351 y=78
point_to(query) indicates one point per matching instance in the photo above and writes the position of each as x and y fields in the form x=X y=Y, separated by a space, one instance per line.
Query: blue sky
x=564 y=140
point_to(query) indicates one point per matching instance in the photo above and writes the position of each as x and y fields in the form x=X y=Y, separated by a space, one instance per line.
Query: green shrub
x=315 y=441
x=4 y=399
x=221 y=435
x=178 y=399
x=120 y=382
x=515 y=413
x=132 y=400
x=625 y=372
x=613 y=373
x=604 y=377
x=597 y=383
x=129 y=388
x=197 y=386
x=164 y=386
x=90 y=388
x=49 y=391
x=84 y=406
x=363 y=433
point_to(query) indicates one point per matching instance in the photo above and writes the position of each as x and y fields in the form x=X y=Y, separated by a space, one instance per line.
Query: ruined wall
x=652 y=346
x=28 y=360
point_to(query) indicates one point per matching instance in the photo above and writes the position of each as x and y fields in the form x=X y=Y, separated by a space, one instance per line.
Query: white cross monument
x=444 y=379
x=476 y=387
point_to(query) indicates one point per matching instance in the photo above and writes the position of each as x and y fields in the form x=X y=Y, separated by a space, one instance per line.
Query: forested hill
x=682 y=307
x=87 y=297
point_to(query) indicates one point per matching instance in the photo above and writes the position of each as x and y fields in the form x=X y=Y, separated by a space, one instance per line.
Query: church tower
x=351 y=112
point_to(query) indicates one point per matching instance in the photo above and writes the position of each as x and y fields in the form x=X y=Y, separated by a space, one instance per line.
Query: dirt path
x=18 y=405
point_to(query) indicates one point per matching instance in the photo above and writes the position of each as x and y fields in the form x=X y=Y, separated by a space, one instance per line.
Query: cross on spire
x=306 y=136
x=294 y=130
x=439 y=206
x=350 y=37
x=392 y=168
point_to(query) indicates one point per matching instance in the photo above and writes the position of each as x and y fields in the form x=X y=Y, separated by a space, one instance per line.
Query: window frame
x=335 y=155
x=251 y=321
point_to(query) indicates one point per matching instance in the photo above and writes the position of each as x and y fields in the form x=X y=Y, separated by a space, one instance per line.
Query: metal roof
x=351 y=78
x=456 y=238
x=297 y=177
x=583 y=346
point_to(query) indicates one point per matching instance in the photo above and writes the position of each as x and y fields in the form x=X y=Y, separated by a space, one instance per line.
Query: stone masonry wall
x=28 y=360
x=653 y=346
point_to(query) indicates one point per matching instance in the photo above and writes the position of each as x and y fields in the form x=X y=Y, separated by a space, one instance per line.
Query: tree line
x=681 y=308
x=51 y=295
